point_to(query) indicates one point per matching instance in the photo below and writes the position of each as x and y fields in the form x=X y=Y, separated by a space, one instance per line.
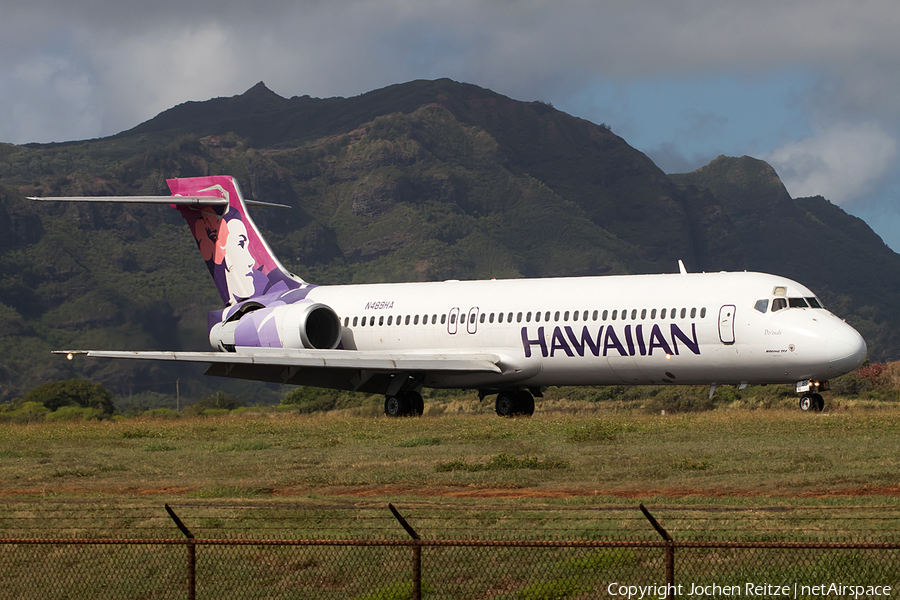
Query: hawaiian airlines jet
x=503 y=337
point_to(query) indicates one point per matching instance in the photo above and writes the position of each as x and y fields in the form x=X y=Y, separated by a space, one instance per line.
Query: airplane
x=505 y=337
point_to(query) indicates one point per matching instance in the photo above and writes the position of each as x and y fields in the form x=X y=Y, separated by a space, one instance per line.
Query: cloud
x=843 y=162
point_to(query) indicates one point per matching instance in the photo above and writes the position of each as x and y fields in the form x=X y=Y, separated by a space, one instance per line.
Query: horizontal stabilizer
x=171 y=200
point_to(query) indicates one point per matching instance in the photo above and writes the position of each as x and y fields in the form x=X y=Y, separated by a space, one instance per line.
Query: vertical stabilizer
x=239 y=259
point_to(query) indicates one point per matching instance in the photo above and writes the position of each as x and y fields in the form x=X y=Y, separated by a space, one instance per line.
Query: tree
x=72 y=392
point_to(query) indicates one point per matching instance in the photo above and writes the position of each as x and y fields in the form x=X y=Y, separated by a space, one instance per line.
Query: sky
x=810 y=86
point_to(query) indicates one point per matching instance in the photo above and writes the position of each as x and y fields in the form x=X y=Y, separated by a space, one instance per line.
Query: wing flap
x=335 y=359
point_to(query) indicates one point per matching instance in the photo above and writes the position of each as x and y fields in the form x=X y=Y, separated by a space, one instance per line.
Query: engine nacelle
x=302 y=325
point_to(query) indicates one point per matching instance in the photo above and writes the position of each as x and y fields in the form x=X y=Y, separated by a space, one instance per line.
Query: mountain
x=425 y=180
x=809 y=240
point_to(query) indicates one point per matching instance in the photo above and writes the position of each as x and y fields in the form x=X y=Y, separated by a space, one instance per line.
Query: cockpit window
x=778 y=304
x=762 y=305
x=814 y=302
x=797 y=303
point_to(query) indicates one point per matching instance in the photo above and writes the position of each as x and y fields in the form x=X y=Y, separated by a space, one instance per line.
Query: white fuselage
x=704 y=328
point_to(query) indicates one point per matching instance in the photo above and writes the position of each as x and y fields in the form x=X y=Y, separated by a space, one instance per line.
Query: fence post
x=670 y=553
x=417 y=554
x=191 y=552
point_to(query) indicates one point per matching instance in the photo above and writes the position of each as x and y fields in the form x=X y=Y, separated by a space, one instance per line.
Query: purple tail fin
x=239 y=259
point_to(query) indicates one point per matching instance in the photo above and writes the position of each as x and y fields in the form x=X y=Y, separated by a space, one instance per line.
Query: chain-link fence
x=237 y=557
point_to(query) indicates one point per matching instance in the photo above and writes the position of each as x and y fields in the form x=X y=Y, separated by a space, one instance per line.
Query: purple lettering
x=578 y=345
x=639 y=334
x=559 y=343
x=529 y=343
x=610 y=340
x=628 y=340
x=678 y=334
x=658 y=341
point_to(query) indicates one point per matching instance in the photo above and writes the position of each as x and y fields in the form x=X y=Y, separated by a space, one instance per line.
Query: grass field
x=734 y=457
x=733 y=475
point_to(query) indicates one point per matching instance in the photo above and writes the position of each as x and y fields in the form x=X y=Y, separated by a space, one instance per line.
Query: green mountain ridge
x=426 y=180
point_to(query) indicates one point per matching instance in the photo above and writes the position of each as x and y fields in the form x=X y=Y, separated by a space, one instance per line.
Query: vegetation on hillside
x=422 y=181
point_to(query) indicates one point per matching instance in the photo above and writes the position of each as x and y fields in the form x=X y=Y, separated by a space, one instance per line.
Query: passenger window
x=703 y=313
x=683 y=313
x=556 y=316
x=653 y=314
x=575 y=315
x=614 y=313
x=594 y=316
x=491 y=318
x=605 y=315
x=662 y=314
x=547 y=316
x=509 y=318
x=452 y=319
x=643 y=314
x=499 y=317
x=762 y=305
x=693 y=313
x=537 y=317
x=633 y=314
x=566 y=316
x=346 y=321
x=380 y=320
x=443 y=319
x=406 y=321
x=797 y=303
x=482 y=318
x=778 y=304
x=416 y=320
x=528 y=317
x=519 y=318
x=355 y=321
x=433 y=319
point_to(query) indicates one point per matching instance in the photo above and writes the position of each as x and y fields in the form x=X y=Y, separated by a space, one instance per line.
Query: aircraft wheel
x=397 y=406
x=818 y=402
x=417 y=404
x=525 y=403
x=806 y=403
x=506 y=403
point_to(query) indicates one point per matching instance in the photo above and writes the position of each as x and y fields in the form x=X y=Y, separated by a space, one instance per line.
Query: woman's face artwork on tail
x=235 y=250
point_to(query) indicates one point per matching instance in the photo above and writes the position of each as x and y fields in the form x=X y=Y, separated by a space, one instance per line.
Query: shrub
x=74 y=413
x=73 y=392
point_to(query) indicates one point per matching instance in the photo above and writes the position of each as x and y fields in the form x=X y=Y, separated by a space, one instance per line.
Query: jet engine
x=307 y=325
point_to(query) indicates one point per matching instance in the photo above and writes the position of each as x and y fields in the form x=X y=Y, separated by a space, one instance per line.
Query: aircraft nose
x=846 y=349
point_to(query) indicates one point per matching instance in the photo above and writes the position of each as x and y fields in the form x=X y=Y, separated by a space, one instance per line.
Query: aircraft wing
x=334 y=359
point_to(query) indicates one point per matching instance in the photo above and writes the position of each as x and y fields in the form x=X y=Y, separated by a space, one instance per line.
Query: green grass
x=730 y=453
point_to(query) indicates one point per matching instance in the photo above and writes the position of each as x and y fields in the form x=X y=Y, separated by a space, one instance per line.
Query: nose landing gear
x=812 y=402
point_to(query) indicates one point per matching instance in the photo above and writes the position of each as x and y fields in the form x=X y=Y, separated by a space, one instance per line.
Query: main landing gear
x=812 y=402
x=514 y=402
x=404 y=404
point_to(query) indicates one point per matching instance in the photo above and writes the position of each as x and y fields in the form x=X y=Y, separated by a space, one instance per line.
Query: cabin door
x=472 y=323
x=451 y=322
x=726 y=324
